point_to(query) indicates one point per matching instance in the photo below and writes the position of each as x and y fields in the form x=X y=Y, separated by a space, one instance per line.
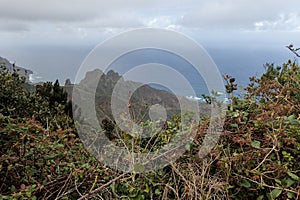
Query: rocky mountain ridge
x=129 y=96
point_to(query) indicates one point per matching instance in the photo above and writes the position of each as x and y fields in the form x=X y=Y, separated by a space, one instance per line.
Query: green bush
x=13 y=97
x=256 y=158
x=47 y=104
x=263 y=137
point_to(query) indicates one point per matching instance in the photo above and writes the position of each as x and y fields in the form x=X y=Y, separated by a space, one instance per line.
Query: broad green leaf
x=261 y=197
x=188 y=146
x=293 y=176
x=147 y=188
x=278 y=181
x=290 y=195
x=275 y=193
x=245 y=183
x=289 y=182
x=234 y=125
x=255 y=144
x=157 y=191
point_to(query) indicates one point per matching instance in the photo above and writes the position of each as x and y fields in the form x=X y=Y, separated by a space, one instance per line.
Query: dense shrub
x=39 y=163
x=262 y=142
x=256 y=158
x=47 y=104
x=13 y=97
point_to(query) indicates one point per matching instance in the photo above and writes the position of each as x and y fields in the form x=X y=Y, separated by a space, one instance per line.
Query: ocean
x=51 y=63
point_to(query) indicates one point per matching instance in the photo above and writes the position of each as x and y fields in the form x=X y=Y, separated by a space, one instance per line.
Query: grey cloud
x=15 y=26
x=232 y=14
x=66 y=10
x=101 y=14
x=90 y=14
x=34 y=10
x=115 y=20
x=287 y=22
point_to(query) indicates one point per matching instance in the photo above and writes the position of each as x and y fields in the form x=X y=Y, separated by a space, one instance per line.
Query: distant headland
x=11 y=67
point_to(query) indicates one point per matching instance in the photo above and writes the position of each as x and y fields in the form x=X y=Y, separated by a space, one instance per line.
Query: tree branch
x=91 y=193
x=292 y=49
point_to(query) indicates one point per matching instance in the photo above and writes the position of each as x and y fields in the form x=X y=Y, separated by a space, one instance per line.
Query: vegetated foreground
x=257 y=157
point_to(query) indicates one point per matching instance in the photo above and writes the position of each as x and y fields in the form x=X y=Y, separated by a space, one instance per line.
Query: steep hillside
x=12 y=66
x=137 y=96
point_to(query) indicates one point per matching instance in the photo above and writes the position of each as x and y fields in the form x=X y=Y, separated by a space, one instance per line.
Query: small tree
x=13 y=97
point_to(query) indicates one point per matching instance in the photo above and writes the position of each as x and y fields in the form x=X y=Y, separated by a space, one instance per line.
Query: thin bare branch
x=292 y=49
x=93 y=192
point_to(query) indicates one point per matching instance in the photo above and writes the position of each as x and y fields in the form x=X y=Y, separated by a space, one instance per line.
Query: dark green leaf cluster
x=47 y=104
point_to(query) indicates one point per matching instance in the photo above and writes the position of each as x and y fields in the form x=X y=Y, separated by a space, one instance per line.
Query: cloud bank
x=27 y=15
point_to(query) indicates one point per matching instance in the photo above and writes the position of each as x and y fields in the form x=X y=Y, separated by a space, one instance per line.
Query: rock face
x=133 y=97
x=137 y=97
x=68 y=88
x=11 y=67
x=115 y=99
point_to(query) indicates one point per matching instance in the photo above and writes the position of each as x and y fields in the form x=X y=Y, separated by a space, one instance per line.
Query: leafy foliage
x=13 y=98
x=256 y=158
x=48 y=104
x=264 y=136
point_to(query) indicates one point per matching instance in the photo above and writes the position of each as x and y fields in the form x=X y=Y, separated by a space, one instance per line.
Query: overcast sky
x=33 y=32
